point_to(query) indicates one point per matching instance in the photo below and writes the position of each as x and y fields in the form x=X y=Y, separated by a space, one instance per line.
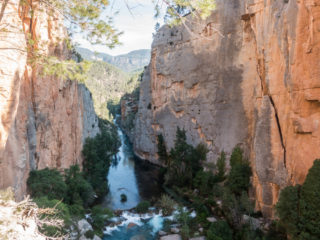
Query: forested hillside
x=107 y=85
x=129 y=62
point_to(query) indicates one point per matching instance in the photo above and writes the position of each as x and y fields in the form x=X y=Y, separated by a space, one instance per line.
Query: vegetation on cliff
x=97 y=154
x=211 y=192
x=73 y=191
x=299 y=207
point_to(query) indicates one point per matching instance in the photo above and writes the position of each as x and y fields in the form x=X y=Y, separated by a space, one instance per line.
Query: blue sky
x=137 y=26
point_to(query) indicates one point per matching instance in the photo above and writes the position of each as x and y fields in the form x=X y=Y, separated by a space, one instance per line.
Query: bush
x=236 y=156
x=76 y=210
x=123 y=198
x=47 y=183
x=221 y=165
x=219 y=230
x=61 y=212
x=188 y=224
x=240 y=173
x=299 y=207
x=99 y=216
x=162 y=150
x=89 y=234
x=185 y=161
x=143 y=207
x=62 y=209
x=79 y=190
x=204 y=182
x=167 y=205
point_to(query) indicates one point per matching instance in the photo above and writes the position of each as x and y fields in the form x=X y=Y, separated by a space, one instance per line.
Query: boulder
x=198 y=238
x=162 y=233
x=95 y=237
x=211 y=219
x=253 y=222
x=84 y=226
x=131 y=225
x=175 y=230
x=171 y=237
x=138 y=237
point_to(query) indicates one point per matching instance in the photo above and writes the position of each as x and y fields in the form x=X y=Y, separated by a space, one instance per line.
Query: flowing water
x=138 y=180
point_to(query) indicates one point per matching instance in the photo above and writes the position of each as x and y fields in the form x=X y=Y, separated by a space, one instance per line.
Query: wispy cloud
x=137 y=23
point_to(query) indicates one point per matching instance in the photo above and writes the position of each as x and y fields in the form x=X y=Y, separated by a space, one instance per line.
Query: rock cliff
x=249 y=76
x=43 y=120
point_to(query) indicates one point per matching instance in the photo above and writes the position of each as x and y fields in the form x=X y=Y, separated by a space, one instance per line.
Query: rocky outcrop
x=247 y=76
x=43 y=120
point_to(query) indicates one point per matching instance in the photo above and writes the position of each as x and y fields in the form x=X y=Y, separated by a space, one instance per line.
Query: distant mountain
x=129 y=62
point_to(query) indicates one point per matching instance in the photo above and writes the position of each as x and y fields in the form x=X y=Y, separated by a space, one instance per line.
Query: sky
x=138 y=24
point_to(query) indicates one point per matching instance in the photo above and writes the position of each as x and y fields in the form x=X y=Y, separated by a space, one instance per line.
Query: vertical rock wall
x=43 y=120
x=247 y=76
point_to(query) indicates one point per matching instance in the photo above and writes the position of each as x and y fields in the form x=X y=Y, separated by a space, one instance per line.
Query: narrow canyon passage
x=127 y=175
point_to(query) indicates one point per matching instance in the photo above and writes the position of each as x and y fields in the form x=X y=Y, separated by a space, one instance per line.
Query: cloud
x=137 y=24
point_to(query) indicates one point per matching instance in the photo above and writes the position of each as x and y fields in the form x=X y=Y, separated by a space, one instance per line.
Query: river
x=138 y=180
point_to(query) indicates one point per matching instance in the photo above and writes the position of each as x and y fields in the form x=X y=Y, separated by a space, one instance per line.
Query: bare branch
x=3 y=8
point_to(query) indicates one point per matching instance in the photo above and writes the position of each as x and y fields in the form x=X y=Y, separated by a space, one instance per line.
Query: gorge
x=244 y=79
x=247 y=76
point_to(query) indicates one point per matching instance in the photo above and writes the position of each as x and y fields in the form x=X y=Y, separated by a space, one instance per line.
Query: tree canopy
x=177 y=9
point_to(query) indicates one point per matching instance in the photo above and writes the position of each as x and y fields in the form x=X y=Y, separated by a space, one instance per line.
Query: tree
x=47 y=183
x=162 y=150
x=299 y=207
x=81 y=16
x=240 y=173
x=79 y=191
x=219 y=230
x=221 y=165
x=97 y=154
x=185 y=160
x=177 y=9
x=288 y=209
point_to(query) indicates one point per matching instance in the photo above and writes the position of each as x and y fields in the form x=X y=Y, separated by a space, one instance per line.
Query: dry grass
x=19 y=221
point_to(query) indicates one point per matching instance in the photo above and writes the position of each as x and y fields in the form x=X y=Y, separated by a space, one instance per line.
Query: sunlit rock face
x=248 y=76
x=43 y=120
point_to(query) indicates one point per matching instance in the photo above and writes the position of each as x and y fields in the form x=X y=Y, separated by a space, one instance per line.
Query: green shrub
x=76 y=210
x=62 y=209
x=299 y=207
x=167 y=204
x=185 y=161
x=236 y=156
x=219 y=230
x=89 y=234
x=143 y=207
x=276 y=232
x=162 y=150
x=188 y=224
x=99 y=216
x=240 y=173
x=204 y=182
x=61 y=212
x=221 y=165
x=47 y=183
x=123 y=198
x=79 y=190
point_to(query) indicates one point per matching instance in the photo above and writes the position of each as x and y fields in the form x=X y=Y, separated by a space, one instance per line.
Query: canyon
x=44 y=120
x=247 y=76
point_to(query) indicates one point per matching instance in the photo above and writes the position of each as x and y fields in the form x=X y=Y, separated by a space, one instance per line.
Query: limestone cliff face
x=43 y=120
x=248 y=76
